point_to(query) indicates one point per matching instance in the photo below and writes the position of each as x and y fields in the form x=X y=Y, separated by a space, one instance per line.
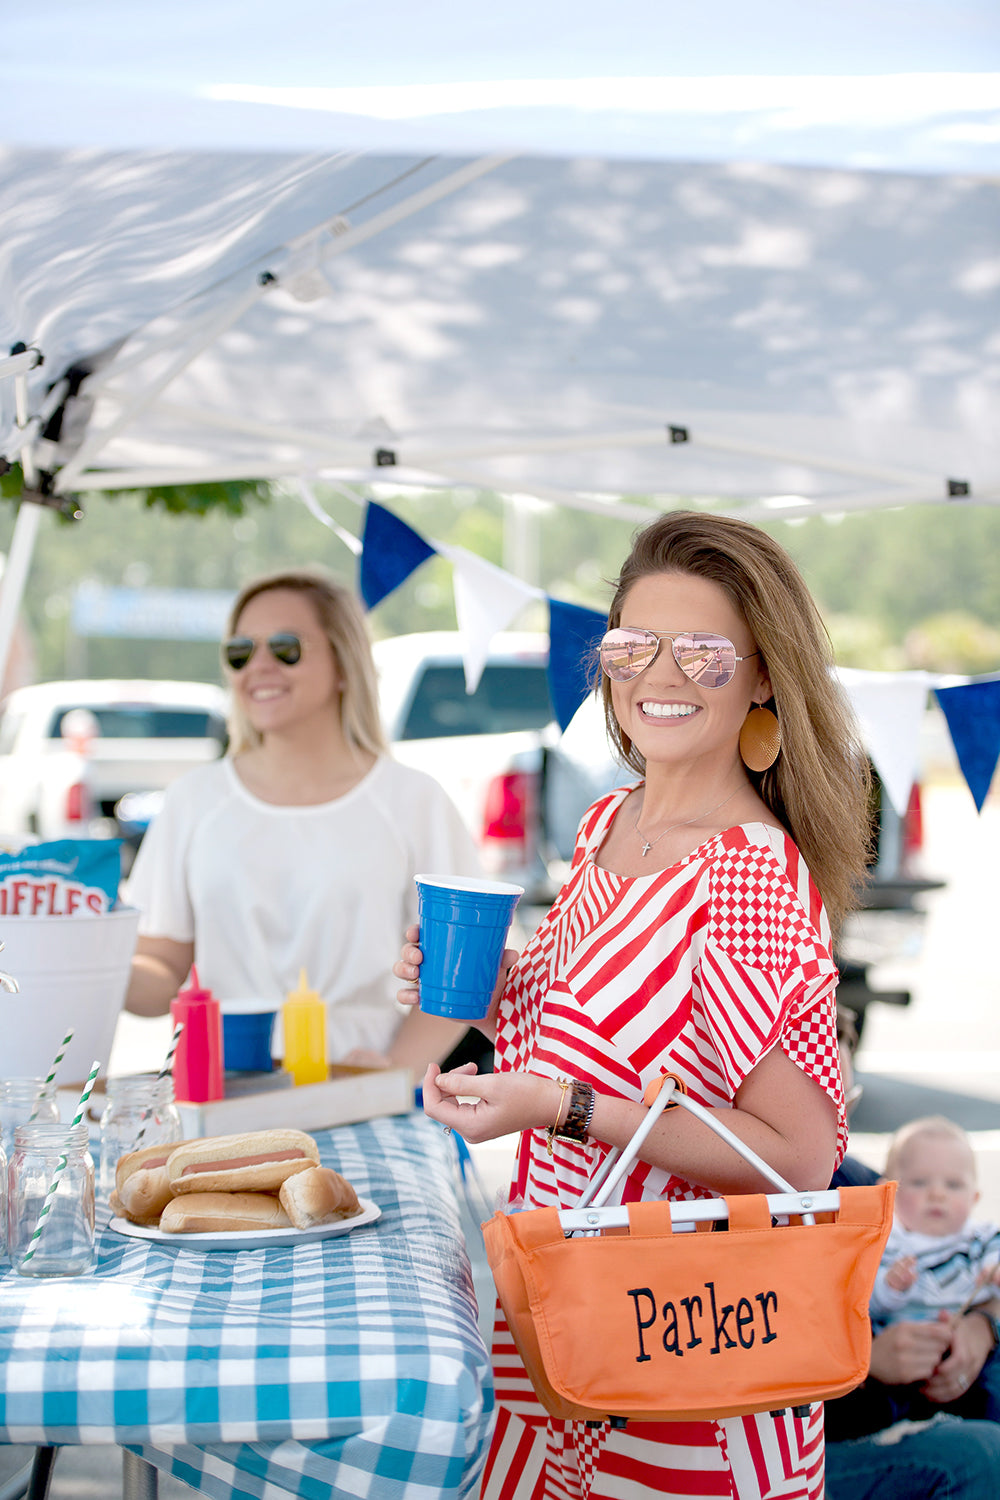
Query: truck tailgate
x=114 y=767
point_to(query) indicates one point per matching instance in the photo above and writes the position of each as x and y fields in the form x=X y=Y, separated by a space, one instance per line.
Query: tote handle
x=684 y=1214
x=668 y=1092
x=603 y=1185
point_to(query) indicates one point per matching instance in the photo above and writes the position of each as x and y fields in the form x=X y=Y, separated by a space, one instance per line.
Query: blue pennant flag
x=574 y=635
x=973 y=715
x=390 y=552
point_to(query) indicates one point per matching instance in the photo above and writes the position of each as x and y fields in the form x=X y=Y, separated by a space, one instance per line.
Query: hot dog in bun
x=257 y=1162
x=118 y=1209
x=142 y=1186
x=222 y=1213
x=318 y=1196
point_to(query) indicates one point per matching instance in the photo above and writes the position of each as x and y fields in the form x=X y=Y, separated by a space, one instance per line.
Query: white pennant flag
x=486 y=601
x=890 y=709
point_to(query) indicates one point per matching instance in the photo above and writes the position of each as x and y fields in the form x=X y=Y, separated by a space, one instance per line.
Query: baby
x=937 y=1258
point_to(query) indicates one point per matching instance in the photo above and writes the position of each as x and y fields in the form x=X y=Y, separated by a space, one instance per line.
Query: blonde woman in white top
x=298 y=850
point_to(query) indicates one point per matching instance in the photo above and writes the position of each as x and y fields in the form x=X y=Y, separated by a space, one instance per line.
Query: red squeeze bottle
x=198 y=1059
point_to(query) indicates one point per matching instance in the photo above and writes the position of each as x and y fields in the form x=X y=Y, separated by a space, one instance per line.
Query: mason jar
x=22 y=1098
x=50 y=1201
x=3 y=1205
x=140 y=1111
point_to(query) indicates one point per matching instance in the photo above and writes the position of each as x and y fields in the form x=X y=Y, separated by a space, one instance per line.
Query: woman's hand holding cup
x=407 y=967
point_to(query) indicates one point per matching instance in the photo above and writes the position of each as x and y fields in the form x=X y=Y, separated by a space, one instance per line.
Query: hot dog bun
x=257 y=1162
x=318 y=1196
x=150 y=1221
x=142 y=1184
x=222 y=1213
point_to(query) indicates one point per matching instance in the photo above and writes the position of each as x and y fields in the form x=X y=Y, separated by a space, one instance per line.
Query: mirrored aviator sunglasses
x=709 y=660
x=283 y=646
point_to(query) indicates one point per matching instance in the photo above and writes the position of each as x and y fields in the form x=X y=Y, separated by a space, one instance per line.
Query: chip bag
x=60 y=878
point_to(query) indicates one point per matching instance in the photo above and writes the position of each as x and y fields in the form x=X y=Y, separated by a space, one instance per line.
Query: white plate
x=249 y=1239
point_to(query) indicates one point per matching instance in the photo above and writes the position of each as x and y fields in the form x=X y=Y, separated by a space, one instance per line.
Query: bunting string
x=889 y=705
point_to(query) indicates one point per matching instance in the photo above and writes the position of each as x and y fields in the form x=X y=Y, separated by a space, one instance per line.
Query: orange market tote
x=623 y=1313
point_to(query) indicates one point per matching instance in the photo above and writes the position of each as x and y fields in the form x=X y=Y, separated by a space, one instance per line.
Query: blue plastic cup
x=463 y=932
x=246 y=1036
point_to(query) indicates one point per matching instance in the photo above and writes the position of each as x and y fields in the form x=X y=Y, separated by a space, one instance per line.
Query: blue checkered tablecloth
x=350 y=1366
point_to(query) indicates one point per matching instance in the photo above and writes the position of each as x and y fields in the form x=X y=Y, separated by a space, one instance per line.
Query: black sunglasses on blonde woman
x=709 y=660
x=284 y=647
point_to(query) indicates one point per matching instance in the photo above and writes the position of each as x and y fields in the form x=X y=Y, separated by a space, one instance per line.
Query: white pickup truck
x=519 y=784
x=70 y=752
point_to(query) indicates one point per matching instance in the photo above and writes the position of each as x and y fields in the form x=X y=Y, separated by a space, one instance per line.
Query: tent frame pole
x=22 y=547
x=69 y=475
x=19 y=364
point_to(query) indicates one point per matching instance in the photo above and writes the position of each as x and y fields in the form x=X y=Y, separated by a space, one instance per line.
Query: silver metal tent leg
x=139 y=1479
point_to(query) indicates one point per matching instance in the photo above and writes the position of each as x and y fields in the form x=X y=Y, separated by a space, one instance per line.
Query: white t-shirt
x=265 y=891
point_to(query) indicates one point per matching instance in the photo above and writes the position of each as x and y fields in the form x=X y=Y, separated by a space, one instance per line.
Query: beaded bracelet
x=579 y=1115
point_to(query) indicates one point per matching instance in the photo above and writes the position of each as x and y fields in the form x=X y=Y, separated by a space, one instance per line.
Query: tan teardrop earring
x=760 y=739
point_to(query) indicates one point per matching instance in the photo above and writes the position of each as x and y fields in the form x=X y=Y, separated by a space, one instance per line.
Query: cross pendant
x=646 y=848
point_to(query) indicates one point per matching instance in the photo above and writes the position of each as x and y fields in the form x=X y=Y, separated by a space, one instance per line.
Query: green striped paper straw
x=61 y=1165
x=166 y=1067
x=52 y=1073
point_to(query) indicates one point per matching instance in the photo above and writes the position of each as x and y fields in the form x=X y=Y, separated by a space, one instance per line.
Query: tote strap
x=749 y=1211
x=652 y=1217
x=534 y=1229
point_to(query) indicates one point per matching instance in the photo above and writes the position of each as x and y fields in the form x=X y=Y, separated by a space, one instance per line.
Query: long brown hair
x=343 y=623
x=819 y=785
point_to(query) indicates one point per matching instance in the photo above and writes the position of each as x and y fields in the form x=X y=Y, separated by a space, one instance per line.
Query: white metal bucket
x=71 y=971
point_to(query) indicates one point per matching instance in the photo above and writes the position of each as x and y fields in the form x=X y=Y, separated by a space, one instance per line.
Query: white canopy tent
x=751 y=257
x=570 y=328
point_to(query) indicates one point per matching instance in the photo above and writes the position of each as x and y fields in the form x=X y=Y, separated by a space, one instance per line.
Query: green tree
x=954 y=641
x=878 y=578
x=899 y=567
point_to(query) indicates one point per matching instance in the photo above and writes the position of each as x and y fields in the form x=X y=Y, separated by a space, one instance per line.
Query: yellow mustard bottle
x=303 y=1018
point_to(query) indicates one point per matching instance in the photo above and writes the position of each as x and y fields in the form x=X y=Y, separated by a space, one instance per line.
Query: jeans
x=946 y=1459
x=873 y=1406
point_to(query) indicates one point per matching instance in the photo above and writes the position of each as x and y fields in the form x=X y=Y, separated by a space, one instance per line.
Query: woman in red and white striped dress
x=692 y=937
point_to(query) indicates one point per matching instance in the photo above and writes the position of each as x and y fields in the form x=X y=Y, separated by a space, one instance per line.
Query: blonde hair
x=819 y=786
x=343 y=623
x=937 y=1127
